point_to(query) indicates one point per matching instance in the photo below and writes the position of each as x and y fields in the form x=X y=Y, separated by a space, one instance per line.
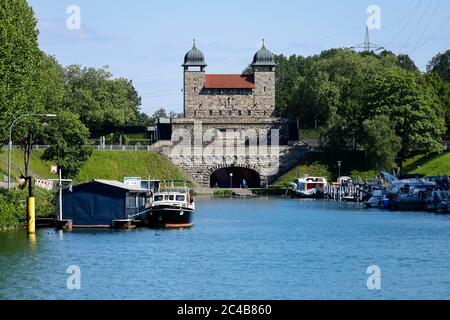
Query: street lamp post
x=10 y=139
x=231 y=180
x=339 y=165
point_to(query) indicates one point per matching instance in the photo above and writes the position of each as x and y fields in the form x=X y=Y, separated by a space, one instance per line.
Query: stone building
x=229 y=96
x=224 y=103
x=231 y=101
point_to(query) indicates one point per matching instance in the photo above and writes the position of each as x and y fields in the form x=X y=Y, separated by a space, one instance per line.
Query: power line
x=418 y=5
x=427 y=26
x=404 y=17
x=413 y=9
x=435 y=33
x=417 y=25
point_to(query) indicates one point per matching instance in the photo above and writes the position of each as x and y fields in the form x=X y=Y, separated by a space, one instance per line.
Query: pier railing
x=343 y=193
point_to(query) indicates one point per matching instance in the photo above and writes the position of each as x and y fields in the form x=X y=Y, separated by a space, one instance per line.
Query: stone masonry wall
x=259 y=104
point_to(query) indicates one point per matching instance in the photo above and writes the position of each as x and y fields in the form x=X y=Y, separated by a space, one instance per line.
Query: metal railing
x=123 y=148
x=97 y=147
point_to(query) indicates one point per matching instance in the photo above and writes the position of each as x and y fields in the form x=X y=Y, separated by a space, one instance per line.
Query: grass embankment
x=115 y=165
x=38 y=166
x=431 y=165
x=355 y=165
x=112 y=165
x=324 y=164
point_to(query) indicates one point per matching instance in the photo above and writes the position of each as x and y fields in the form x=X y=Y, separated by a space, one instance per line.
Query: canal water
x=239 y=249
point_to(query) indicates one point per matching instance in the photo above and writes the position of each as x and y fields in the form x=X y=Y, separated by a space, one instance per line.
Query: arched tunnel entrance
x=235 y=177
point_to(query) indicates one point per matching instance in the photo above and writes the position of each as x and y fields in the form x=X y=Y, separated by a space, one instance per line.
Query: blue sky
x=145 y=40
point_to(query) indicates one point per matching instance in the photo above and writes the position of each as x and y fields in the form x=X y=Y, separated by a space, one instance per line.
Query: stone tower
x=194 y=79
x=264 y=74
x=229 y=96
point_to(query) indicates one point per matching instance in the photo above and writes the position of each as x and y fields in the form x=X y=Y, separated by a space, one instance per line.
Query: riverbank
x=110 y=165
x=354 y=164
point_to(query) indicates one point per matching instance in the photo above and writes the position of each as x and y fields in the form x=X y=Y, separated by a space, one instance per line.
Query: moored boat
x=171 y=207
x=309 y=187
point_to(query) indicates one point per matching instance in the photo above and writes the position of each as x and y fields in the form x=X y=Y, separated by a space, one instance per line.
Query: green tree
x=69 y=147
x=442 y=90
x=381 y=143
x=20 y=86
x=52 y=83
x=349 y=74
x=413 y=109
x=441 y=65
x=405 y=62
x=99 y=100
x=160 y=113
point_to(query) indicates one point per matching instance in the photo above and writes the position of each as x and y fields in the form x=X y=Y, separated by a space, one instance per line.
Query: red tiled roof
x=229 y=81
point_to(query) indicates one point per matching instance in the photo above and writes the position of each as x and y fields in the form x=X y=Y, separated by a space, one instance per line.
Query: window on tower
x=230 y=92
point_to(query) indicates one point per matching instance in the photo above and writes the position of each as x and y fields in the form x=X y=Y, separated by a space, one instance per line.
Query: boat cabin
x=309 y=183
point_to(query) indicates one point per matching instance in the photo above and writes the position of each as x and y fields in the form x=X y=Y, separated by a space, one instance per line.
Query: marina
x=403 y=193
x=170 y=203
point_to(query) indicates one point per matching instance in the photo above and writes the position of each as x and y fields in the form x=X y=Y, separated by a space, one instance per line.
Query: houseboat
x=171 y=206
x=103 y=204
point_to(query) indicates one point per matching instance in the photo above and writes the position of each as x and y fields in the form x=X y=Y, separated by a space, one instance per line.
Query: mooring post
x=31 y=219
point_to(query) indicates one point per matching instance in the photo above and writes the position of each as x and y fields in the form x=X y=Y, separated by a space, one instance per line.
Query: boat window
x=180 y=198
x=171 y=197
x=301 y=186
x=141 y=201
x=159 y=198
x=166 y=197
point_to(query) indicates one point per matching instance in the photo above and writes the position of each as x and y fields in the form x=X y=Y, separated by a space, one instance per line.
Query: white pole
x=9 y=162
x=60 y=196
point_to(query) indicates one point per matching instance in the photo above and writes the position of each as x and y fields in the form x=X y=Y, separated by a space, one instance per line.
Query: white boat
x=377 y=199
x=310 y=187
x=171 y=207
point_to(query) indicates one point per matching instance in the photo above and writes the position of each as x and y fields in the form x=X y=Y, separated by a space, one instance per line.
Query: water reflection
x=239 y=249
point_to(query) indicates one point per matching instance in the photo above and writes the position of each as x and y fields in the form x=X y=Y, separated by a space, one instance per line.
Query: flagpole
x=60 y=196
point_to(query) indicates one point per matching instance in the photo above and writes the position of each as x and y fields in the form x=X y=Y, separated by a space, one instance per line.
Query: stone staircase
x=290 y=156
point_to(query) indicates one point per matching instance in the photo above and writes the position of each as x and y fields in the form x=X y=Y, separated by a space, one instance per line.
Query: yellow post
x=31 y=216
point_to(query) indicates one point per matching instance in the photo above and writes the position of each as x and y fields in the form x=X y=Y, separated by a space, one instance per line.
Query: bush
x=13 y=206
